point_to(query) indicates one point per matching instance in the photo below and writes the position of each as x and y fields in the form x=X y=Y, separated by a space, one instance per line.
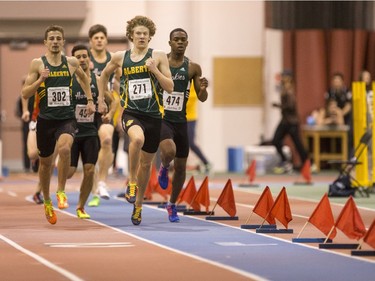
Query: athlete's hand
x=106 y=118
x=25 y=116
x=151 y=65
x=204 y=83
x=102 y=107
x=44 y=73
x=90 y=108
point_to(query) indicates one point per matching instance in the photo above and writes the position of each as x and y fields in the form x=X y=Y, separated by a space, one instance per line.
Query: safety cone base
x=273 y=230
x=338 y=246
x=197 y=213
x=248 y=185
x=310 y=240
x=367 y=253
x=218 y=218
x=302 y=183
x=255 y=226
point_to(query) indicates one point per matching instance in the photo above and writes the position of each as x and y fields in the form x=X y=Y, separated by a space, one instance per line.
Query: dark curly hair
x=140 y=21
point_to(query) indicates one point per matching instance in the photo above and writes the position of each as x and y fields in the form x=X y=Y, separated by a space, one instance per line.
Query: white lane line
x=214 y=263
x=239 y=244
x=91 y=245
x=290 y=242
x=43 y=261
x=11 y=193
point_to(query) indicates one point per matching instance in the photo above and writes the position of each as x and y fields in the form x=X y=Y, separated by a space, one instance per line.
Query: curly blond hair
x=140 y=21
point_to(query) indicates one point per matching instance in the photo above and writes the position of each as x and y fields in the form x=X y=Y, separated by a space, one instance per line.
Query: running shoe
x=131 y=192
x=163 y=177
x=81 y=214
x=172 y=213
x=284 y=168
x=49 y=212
x=94 y=202
x=207 y=168
x=38 y=198
x=62 y=200
x=136 y=215
x=102 y=189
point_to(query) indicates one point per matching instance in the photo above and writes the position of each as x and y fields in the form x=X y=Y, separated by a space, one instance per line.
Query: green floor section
x=314 y=191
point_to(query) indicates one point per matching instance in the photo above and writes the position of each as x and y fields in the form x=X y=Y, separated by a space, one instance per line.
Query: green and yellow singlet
x=175 y=103
x=139 y=89
x=86 y=124
x=55 y=93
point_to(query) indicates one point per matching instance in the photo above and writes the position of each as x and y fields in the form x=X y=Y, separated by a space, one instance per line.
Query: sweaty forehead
x=80 y=52
x=140 y=28
x=179 y=34
x=55 y=33
x=99 y=35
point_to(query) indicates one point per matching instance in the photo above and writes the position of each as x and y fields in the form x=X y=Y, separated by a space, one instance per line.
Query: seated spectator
x=331 y=114
x=365 y=76
x=339 y=92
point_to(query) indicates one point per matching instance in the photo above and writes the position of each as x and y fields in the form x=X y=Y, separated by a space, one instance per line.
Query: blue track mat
x=245 y=252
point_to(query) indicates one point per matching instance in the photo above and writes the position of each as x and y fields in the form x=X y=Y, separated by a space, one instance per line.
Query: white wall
x=216 y=29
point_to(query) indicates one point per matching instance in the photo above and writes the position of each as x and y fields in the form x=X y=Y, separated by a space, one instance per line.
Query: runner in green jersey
x=100 y=56
x=174 y=140
x=86 y=141
x=144 y=72
x=51 y=75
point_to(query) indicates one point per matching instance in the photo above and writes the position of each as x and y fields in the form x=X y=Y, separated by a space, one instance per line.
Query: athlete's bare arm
x=84 y=81
x=200 y=83
x=159 y=66
x=37 y=75
x=111 y=66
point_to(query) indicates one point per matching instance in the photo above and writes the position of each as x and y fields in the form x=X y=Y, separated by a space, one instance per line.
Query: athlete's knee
x=137 y=141
x=89 y=170
x=64 y=150
x=106 y=141
x=45 y=163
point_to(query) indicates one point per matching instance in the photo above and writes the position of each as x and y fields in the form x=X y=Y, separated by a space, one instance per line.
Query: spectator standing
x=288 y=125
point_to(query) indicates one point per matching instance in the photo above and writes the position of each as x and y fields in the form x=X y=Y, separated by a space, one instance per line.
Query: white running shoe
x=103 y=192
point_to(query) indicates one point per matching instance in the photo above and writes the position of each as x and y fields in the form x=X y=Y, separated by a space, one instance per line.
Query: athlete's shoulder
x=118 y=56
x=156 y=52
x=195 y=68
x=37 y=61
x=193 y=63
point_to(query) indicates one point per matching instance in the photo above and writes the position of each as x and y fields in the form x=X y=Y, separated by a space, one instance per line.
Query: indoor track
x=110 y=247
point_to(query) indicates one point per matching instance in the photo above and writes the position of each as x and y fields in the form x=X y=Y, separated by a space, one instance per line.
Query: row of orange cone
x=349 y=220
